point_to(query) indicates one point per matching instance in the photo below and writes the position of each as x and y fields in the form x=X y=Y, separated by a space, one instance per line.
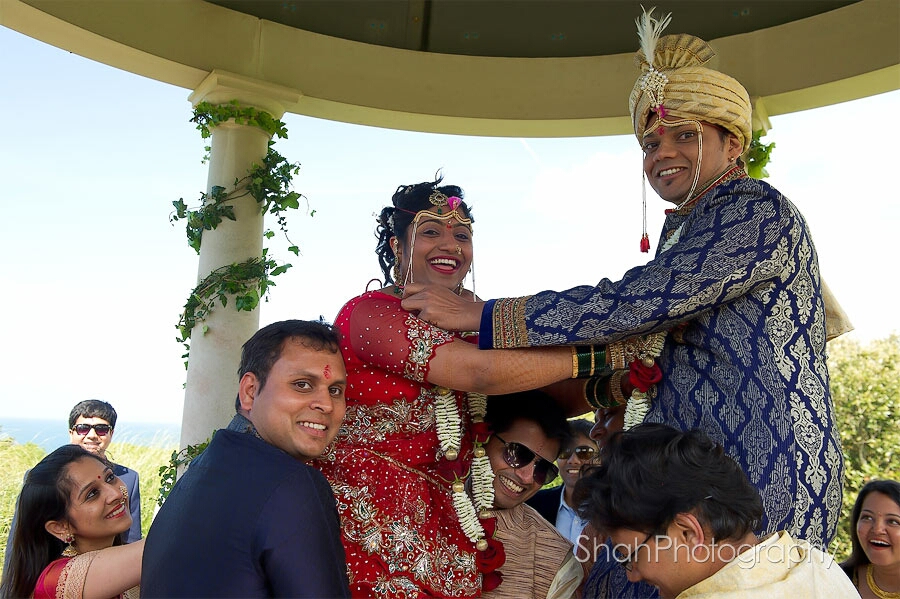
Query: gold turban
x=677 y=80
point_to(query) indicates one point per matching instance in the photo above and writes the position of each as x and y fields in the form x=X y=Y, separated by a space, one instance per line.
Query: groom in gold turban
x=731 y=309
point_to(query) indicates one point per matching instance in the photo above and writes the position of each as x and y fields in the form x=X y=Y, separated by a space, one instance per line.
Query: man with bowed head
x=249 y=518
x=681 y=515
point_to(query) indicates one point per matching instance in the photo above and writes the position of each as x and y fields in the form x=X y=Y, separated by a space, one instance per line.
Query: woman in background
x=874 y=562
x=72 y=513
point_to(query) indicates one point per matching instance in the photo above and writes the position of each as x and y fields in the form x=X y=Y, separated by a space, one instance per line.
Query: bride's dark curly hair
x=395 y=220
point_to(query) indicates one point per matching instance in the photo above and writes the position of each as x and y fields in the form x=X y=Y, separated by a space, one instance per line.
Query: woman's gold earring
x=396 y=270
x=70 y=550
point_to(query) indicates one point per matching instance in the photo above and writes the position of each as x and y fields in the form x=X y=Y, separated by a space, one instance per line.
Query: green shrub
x=865 y=386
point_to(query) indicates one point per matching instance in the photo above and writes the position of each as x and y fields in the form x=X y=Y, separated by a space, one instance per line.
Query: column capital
x=760 y=118
x=221 y=87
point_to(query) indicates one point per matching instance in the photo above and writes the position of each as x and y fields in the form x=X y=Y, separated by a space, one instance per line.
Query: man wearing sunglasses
x=555 y=504
x=528 y=429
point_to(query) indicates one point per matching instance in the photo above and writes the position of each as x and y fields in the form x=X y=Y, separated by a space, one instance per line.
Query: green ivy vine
x=758 y=156
x=168 y=474
x=269 y=183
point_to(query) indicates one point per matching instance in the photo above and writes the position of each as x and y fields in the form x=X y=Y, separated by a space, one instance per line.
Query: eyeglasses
x=627 y=561
x=83 y=429
x=517 y=455
x=585 y=453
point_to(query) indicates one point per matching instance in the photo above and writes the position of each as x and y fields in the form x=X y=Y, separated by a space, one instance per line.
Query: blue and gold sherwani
x=747 y=363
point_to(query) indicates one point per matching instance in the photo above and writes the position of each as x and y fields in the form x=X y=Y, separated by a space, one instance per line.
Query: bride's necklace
x=877 y=590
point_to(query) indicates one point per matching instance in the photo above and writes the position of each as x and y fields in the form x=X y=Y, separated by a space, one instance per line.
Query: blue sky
x=94 y=276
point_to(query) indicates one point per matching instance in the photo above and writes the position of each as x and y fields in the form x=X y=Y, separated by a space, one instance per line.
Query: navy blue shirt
x=246 y=520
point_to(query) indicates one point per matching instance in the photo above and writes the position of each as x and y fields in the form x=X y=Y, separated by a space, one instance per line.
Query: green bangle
x=595 y=392
x=588 y=361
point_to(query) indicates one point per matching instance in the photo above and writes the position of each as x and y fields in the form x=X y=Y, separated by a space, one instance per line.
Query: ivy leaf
x=180 y=209
x=294 y=250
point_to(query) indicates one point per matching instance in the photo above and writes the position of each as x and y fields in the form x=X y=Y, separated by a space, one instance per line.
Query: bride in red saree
x=407 y=467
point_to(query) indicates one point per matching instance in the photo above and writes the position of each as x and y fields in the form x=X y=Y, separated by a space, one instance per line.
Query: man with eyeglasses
x=681 y=515
x=528 y=429
x=555 y=504
x=91 y=425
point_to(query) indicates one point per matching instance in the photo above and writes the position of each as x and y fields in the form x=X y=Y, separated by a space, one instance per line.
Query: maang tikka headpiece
x=446 y=208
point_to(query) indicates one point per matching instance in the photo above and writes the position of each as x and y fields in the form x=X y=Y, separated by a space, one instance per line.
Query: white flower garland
x=449 y=432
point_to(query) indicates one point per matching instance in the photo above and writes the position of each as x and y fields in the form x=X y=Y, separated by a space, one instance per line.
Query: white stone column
x=215 y=356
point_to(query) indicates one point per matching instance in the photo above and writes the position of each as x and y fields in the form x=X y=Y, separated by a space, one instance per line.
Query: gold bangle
x=574 y=362
x=615 y=387
x=616 y=353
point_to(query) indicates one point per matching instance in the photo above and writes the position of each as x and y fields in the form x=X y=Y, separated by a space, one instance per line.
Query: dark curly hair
x=653 y=472
x=394 y=220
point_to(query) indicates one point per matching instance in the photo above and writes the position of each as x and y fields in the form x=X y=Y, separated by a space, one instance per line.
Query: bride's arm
x=381 y=333
x=462 y=366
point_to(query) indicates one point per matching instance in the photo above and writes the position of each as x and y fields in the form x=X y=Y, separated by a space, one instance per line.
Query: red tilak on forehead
x=661 y=130
x=326 y=372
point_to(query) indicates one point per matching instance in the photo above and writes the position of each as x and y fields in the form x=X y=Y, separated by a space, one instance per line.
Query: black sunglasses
x=517 y=455
x=585 y=453
x=83 y=429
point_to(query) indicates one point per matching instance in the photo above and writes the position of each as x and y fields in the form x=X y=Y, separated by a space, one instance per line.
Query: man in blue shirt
x=249 y=518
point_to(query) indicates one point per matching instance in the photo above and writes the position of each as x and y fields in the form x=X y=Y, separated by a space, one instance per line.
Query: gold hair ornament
x=441 y=202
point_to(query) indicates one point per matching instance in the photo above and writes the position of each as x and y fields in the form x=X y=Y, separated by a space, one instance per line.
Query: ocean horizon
x=52 y=433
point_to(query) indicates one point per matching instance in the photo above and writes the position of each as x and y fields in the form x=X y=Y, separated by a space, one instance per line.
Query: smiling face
x=670 y=157
x=98 y=508
x=513 y=486
x=878 y=529
x=91 y=441
x=570 y=468
x=441 y=251
x=301 y=405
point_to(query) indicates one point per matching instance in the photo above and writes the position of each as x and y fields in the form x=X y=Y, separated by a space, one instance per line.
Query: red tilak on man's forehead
x=326 y=372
